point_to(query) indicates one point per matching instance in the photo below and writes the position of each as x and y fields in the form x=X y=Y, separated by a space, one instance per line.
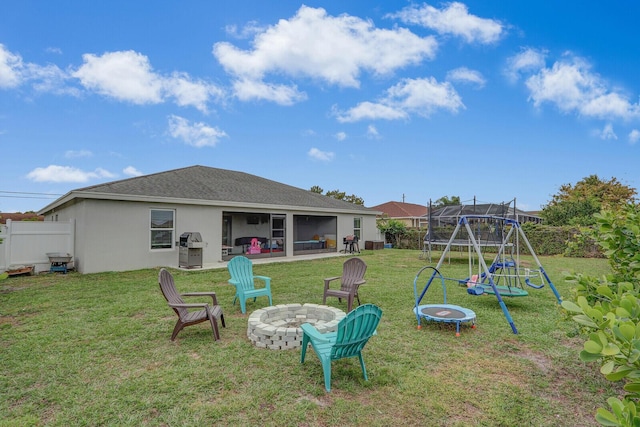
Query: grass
x=95 y=350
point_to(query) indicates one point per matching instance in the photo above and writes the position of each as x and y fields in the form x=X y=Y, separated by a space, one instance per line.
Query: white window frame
x=153 y=230
x=357 y=227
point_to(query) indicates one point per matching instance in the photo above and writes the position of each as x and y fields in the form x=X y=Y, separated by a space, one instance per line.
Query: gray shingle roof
x=219 y=185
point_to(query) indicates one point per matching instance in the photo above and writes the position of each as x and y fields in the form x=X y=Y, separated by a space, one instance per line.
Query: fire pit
x=278 y=327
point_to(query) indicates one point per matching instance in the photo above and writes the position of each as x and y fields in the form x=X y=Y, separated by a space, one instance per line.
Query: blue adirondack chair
x=241 y=271
x=348 y=340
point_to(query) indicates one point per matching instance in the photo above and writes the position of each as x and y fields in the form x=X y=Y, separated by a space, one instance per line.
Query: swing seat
x=528 y=282
x=475 y=290
x=505 y=291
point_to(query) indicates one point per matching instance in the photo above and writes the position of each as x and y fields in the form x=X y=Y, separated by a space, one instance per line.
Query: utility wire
x=27 y=195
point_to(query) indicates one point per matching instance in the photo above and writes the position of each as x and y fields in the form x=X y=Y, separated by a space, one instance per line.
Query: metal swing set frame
x=503 y=267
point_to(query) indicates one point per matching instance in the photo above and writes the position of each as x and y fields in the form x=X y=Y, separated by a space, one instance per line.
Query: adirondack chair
x=212 y=313
x=348 y=340
x=241 y=271
x=352 y=277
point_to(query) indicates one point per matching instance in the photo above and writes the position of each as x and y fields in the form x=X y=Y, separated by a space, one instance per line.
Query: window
x=357 y=227
x=162 y=228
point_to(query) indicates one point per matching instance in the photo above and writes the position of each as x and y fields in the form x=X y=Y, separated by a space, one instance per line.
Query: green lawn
x=95 y=350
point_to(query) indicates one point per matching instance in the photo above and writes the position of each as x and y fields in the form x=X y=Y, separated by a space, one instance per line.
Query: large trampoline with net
x=442 y=222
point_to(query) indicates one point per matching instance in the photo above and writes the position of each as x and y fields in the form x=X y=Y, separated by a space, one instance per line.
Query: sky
x=385 y=100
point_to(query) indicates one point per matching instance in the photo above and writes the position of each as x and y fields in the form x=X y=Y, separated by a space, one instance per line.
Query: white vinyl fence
x=26 y=243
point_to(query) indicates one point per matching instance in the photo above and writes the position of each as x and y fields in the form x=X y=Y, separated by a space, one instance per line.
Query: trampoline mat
x=443 y=312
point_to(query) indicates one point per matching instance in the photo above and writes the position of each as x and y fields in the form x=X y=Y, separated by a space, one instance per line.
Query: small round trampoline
x=445 y=313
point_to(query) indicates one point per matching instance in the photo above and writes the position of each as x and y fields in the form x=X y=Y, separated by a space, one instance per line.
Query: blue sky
x=382 y=99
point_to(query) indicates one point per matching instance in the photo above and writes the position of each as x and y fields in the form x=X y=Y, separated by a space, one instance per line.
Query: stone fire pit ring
x=278 y=327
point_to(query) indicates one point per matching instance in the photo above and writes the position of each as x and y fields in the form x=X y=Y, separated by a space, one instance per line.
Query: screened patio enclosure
x=259 y=235
x=314 y=234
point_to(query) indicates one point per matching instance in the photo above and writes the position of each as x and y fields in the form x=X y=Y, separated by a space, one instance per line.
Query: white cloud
x=372 y=132
x=634 y=136
x=371 y=111
x=424 y=96
x=607 y=105
x=341 y=136
x=14 y=72
x=528 y=60
x=194 y=134
x=454 y=19
x=411 y=96
x=332 y=49
x=73 y=154
x=465 y=75
x=325 y=156
x=55 y=173
x=131 y=171
x=129 y=76
x=11 y=67
x=607 y=132
x=189 y=92
x=571 y=86
x=126 y=76
x=249 y=30
x=247 y=90
x=49 y=78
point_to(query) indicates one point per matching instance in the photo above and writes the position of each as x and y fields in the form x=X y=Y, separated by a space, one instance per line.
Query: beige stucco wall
x=115 y=235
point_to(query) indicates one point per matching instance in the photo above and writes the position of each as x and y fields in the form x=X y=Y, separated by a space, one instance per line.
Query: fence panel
x=28 y=242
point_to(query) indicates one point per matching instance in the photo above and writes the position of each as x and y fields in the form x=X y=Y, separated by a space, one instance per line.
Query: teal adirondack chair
x=241 y=271
x=348 y=340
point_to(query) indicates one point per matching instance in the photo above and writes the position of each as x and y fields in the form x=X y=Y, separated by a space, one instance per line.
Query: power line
x=25 y=192
x=27 y=195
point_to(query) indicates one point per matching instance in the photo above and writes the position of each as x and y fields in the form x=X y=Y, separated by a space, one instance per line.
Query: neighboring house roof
x=4 y=216
x=401 y=210
x=208 y=186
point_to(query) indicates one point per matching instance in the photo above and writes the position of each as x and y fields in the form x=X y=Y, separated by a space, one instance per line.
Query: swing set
x=505 y=276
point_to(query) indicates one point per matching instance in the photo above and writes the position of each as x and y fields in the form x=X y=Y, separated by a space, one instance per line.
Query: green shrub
x=578 y=242
x=393 y=229
x=607 y=310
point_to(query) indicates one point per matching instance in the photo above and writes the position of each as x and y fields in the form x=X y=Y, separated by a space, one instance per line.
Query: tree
x=576 y=205
x=339 y=195
x=445 y=201
x=392 y=229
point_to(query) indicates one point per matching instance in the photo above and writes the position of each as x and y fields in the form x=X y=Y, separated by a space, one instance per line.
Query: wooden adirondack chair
x=352 y=277
x=241 y=271
x=212 y=313
x=348 y=340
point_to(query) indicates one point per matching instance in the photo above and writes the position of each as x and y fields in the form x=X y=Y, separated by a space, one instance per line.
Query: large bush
x=545 y=240
x=392 y=229
x=607 y=309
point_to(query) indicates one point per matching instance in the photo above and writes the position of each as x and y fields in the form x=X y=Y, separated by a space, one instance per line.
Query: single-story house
x=200 y=216
x=410 y=214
